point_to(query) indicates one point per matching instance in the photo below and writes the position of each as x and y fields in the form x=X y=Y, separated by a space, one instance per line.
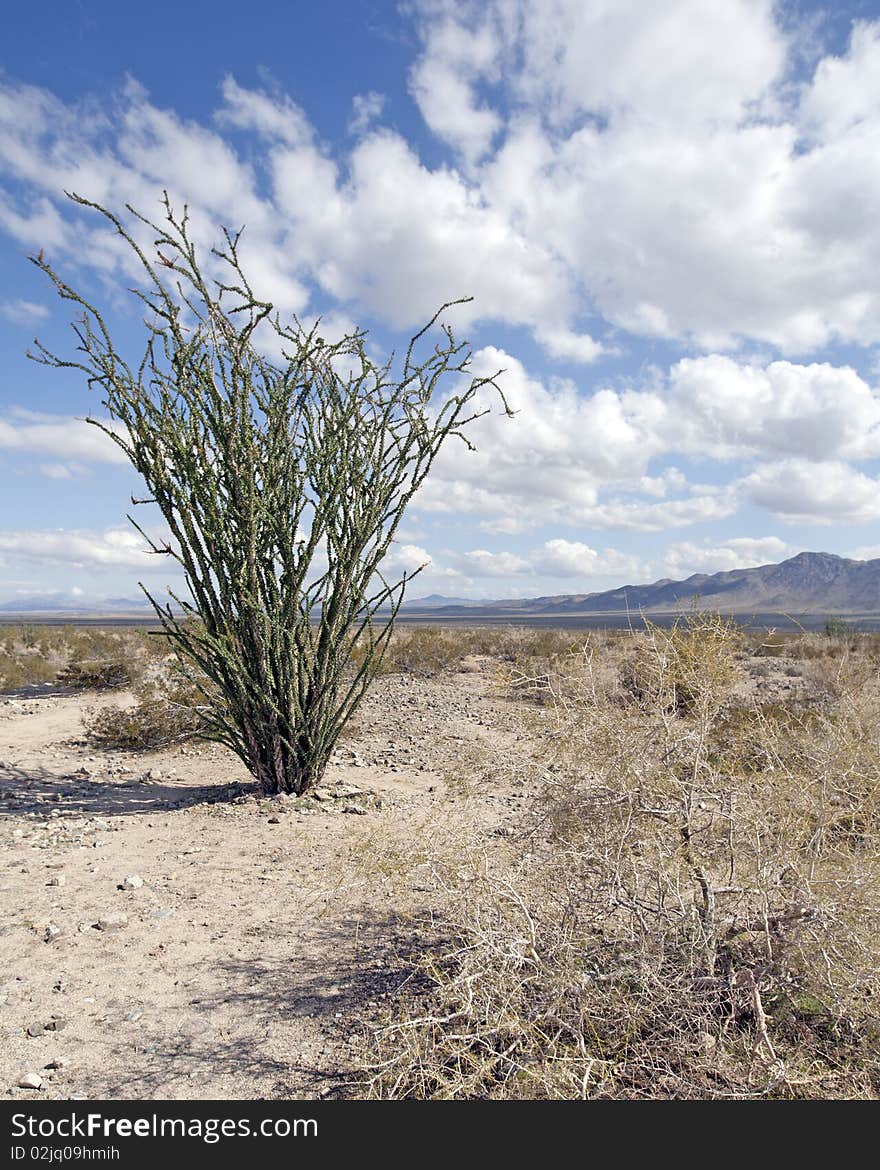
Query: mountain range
x=807 y=583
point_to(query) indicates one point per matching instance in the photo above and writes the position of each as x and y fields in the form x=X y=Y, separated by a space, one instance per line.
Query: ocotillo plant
x=282 y=483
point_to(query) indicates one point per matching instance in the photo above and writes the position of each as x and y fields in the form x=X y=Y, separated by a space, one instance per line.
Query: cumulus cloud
x=616 y=163
x=80 y=549
x=482 y=563
x=442 y=83
x=822 y=493
x=728 y=409
x=567 y=558
x=617 y=158
x=71 y=438
x=556 y=559
x=686 y=557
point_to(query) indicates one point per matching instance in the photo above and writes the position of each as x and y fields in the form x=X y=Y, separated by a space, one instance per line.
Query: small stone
x=51 y=932
x=58 y=1062
x=274 y=820
x=30 y=1081
x=56 y=1024
x=111 y=922
x=58 y=880
x=132 y=882
x=354 y=810
x=35 y=1029
x=18 y=833
x=134 y=1015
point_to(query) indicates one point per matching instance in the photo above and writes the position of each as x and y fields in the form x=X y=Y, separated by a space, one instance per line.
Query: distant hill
x=438 y=601
x=809 y=582
x=72 y=603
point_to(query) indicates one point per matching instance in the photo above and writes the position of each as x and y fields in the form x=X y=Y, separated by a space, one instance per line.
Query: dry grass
x=88 y=658
x=694 y=911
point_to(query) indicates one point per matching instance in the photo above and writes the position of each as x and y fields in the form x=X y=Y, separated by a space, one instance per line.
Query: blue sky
x=666 y=215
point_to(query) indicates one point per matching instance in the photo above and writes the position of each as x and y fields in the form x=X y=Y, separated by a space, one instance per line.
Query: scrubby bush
x=100 y=675
x=692 y=911
x=167 y=711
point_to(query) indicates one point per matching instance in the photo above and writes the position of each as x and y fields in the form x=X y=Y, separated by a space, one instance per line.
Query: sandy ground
x=256 y=934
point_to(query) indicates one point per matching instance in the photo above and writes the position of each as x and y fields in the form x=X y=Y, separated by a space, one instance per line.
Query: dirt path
x=255 y=934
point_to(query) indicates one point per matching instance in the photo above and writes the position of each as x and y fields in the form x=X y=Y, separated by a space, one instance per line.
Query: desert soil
x=167 y=933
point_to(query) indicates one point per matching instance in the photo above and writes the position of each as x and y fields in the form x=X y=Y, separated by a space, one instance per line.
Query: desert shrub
x=771 y=645
x=97 y=675
x=22 y=668
x=838 y=628
x=170 y=709
x=693 y=913
x=426 y=650
x=11 y=672
x=688 y=669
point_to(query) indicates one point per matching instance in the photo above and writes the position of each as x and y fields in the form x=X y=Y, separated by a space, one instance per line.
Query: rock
x=111 y=922
x=274 y=820
x=132 y=882
x=353 y=808
x=30 y=1081
x=58 y=1062
x=56 y=1024
x=58 y=880
x=51 y=932
x=35 y=1029
x=134 y=1015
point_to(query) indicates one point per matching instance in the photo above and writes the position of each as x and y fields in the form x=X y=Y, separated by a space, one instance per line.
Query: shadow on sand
x=41 y=791
x=249 y=1032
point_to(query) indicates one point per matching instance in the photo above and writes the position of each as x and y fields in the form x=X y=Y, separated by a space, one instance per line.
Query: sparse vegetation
x=693 y=909
x=686 y=903
x=87 y=658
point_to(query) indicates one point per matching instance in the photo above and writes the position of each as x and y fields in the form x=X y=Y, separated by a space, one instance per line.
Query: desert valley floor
x=263 y=930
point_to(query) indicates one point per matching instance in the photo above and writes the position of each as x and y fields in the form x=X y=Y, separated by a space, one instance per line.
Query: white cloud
x=482 y=563
x=618 y=159
x=442 y=84
x=71 y=438
x=672 y=63
x=81 y=549
x=727 y=409
x=21 y=312
x=867 y=552
x=684 y=558
x=63 y=470
x=565 y=558
x=823 y=493
x=366 y=109
x=404 y=558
